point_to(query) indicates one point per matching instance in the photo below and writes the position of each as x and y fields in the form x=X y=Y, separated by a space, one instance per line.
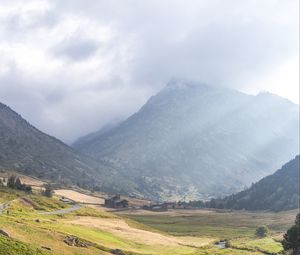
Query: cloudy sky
x=72 y=66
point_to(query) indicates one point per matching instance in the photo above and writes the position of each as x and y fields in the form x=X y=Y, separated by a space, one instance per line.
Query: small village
x=117 y=202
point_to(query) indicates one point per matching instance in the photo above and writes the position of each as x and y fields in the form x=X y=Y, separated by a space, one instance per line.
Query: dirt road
x=63 y=211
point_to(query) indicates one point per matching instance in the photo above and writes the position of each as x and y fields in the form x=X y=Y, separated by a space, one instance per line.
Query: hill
x=276 y=192
x=25 y=149
x=196 y=141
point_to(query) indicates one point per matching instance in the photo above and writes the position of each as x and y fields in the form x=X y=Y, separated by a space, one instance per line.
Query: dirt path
x=120 y=228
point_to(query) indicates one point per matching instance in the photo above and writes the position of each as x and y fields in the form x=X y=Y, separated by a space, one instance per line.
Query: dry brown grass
x=79 y=197
x=120 y=227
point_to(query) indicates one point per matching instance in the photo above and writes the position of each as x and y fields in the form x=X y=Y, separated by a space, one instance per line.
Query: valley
x=153 y=184
x=33 y=229
x=196 y=141
x=158 y=127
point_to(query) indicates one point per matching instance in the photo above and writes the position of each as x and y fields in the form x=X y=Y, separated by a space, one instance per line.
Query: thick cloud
x=75 y=48
x=72 y=66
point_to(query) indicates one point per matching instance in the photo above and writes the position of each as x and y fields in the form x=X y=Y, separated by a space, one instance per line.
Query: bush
x=262 y=231
x=228 y=244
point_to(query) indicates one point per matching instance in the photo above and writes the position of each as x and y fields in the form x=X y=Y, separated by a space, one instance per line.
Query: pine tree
x=297 y=220
x=291 y=239
x=18 y=184
x=11 y=181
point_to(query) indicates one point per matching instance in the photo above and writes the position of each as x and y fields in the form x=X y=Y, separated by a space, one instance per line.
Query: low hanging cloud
x=75 y=48
x=70 y=67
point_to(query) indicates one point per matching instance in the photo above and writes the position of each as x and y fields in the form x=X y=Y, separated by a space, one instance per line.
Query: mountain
x=194 y=141
x=276 y=192
x=90 y=137
x=27 y=150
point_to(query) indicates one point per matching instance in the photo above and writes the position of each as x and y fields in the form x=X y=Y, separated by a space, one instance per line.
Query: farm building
x=116 y=202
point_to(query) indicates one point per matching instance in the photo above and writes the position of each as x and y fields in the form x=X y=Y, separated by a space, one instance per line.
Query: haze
x=70 y=68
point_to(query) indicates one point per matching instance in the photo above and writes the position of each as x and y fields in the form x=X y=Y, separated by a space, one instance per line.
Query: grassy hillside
x=11 y=247
x=102 y=232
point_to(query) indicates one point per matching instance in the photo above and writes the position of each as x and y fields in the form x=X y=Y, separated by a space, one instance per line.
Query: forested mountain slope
x=276 y=192
x=26 y=149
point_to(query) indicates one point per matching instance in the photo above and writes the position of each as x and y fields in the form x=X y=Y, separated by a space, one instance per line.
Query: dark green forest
x=276 y=192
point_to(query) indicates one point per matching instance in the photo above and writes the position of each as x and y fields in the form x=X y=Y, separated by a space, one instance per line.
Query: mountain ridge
x=26 y=149
x=186 y=127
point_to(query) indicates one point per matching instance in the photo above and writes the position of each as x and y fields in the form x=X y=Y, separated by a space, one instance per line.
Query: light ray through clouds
x=71 y=67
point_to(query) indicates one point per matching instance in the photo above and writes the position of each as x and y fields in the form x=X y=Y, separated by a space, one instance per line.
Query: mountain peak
x=180 y=83
x=266 y=95
x=198 y=140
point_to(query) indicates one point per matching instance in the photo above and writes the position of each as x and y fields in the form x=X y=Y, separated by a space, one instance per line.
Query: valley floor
x=98 y=231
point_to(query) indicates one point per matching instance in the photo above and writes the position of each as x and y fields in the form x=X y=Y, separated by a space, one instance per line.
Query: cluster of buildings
x=165 y=206
x=116 y=202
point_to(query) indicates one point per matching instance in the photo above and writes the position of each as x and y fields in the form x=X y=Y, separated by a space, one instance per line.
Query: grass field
x=213 y=224
x=135 y=233
x=238 y=227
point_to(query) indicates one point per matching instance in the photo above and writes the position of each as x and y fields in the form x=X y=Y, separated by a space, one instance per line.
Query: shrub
x=228 y=244
x=262 y=231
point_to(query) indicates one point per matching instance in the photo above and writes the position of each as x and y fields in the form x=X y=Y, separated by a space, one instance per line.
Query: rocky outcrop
x=118 y=252
x=3 y=233
x=75 y=241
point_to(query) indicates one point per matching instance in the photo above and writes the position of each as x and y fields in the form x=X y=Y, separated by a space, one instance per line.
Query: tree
x=291 y=239
x=18 y=184
x=297 y=220
x=213 y=203
x=27 y=188
x=11 y=181
x=262 y=231
x=48 y=192
x=14 y=182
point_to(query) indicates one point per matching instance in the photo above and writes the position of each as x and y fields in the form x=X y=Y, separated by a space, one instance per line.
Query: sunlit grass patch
x=93 y=212
x=46 y=204
x=266 y=245
x=7 y=195
x=12 y=247
x=216 y=251
x=191 y=226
